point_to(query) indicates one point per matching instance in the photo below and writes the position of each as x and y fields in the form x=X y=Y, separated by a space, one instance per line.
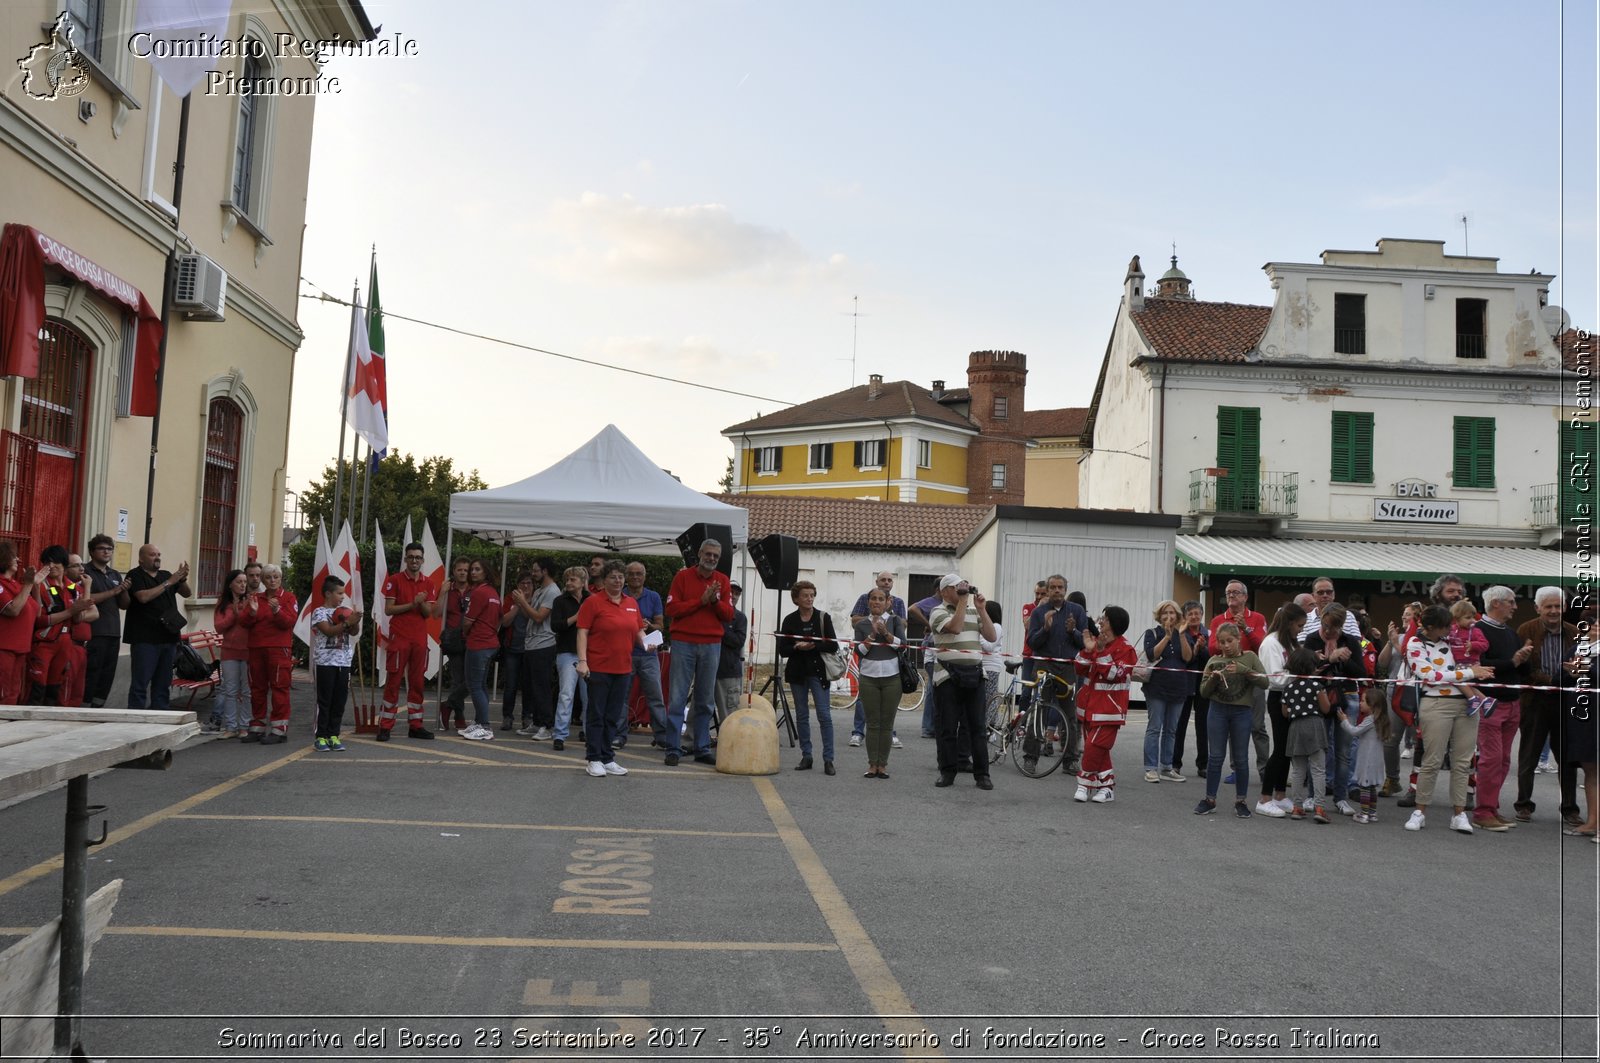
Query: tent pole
x=444 y=600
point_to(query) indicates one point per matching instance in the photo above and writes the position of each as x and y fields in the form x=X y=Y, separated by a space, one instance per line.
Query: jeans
x=693 y=663
x=647 y=669
x=1339 y=761
x=512 y=679
x=235 y=695
x=1228 y=725
x=1160 y=729
x=333 y=689
x=730 y=693
x=477 y=678
x=1198 y=707
x=812 y=689
x=608 y=703
x=567 y=670
x=151 y=667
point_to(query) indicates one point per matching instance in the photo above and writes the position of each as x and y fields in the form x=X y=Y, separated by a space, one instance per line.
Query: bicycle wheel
x=1042 y=744
x=842 y=693
x=913 y=701
x=997 y=714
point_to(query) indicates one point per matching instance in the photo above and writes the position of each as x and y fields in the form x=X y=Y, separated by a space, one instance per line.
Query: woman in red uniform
x=270 y=616
x=19 y=608
x=609 y=626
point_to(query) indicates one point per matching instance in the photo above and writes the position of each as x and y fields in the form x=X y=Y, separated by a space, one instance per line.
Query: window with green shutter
x=1352 y=448
x=1474 y=452
x=1575 y=477
x=1239 y=452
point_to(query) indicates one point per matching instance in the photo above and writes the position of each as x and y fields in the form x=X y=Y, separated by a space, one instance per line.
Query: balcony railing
x=1545 y=514
x=1222 y=491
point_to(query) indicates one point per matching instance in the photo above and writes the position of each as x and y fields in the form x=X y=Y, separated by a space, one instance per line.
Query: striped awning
x=1240 y=556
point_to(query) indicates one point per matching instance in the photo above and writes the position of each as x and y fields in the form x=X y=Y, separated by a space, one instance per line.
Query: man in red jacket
x=409 y=599
x=270 y=616
x=699 y=606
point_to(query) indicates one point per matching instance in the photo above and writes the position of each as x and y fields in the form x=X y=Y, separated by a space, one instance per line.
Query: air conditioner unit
x=200 y=291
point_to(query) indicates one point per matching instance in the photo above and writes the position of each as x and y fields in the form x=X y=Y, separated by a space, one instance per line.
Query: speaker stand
x=780 y=705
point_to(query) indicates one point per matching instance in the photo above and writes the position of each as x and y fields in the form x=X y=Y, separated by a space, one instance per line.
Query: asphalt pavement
x=453 y=899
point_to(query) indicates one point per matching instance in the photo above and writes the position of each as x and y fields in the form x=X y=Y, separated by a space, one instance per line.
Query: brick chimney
x=874 y=385
x=997 y=381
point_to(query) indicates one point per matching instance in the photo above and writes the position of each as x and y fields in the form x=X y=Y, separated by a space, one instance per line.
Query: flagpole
x=366 y=493
x=344 y=404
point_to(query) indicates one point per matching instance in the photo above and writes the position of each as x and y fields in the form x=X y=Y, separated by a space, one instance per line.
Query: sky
x=708 y=190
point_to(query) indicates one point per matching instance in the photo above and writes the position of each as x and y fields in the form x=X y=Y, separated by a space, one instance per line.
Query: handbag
x=833 y=666
x=910 y=674
x=170 y=617
x=1145 y=667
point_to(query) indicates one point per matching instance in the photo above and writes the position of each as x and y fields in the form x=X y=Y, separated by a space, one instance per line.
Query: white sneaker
x=526 y=731
x=1460 y=823
x=1285 y=804
x=474 y=733
x=1082 y=794
x=542 y=735
x=1345 y=808
x=1405 y=753
x=855 y=740
x=894 y=740
x=1269 y=808
x=1104 y=796
x=1172 y=775
x=1151 y=776
x=1417 y=821
x=597 y=769
x=613 y=768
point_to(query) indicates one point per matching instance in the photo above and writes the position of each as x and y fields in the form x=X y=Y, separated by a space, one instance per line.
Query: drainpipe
x=888 y=467
x=1161 y=446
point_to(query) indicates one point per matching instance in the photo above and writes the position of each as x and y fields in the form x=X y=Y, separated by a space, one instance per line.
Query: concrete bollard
x=747 y=742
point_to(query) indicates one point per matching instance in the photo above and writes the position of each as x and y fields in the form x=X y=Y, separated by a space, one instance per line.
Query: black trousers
x=333 y=689
x=961 y=731
x=1275 y=776
x=1541 y=719
x=1201 y=708
x=538 y=681
x=101 y=671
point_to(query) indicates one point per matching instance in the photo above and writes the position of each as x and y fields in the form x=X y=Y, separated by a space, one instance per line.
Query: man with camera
x=956 y=624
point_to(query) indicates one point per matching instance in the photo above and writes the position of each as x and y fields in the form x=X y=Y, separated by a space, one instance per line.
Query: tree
x=401 y=488
x=726 y=483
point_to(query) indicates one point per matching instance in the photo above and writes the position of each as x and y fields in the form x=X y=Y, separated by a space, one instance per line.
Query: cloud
x=620 y=238
x=692 y=357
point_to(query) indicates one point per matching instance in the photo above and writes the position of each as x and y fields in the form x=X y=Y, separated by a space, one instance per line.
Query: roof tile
x=1191 y=331
x=901 y=398
x=1051 y=424
x=853 y=522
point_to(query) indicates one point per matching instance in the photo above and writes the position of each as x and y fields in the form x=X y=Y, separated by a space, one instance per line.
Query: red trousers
x=270 y=668
x=406 y=660
x=13 y=674
x=58 y=663
x=1494 y=754
x=1094 y=772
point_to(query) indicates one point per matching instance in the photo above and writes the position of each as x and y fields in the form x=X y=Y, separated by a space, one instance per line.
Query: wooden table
x=40 y=747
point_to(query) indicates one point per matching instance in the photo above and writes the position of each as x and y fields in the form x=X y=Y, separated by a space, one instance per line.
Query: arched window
x=219 y=506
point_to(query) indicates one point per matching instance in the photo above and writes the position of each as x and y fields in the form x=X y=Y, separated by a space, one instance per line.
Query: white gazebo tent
x=606 y=495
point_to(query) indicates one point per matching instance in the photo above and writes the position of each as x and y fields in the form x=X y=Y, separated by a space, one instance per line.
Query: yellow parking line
x=866 y=962
x=452 y=942
x=429 y=751
x=366 y=821
x=50 y=866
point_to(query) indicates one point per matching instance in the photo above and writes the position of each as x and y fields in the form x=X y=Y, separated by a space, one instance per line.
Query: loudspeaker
x=689 y=545
x=777 y=559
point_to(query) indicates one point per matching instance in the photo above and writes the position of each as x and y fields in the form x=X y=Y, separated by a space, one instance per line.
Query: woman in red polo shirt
x=19 y=610
x=480 y=621
x=609 y=626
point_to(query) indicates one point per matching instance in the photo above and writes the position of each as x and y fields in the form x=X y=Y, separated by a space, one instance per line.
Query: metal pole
x=344 y=409
x=366 y=493
x=168 y=291
x=74 y=898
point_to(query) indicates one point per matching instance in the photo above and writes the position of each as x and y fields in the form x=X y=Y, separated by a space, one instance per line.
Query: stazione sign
x=1416 y=510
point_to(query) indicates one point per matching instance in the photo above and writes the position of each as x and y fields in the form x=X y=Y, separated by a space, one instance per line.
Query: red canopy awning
x=24 y=252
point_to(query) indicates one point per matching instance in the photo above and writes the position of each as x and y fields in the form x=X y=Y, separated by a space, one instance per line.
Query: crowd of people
x=1327 y=702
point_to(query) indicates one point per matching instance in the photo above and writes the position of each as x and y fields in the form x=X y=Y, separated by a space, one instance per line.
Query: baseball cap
x=735 y=585
x=950 y=580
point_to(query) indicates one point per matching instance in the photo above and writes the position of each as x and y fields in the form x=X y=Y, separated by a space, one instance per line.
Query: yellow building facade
x=90 y=174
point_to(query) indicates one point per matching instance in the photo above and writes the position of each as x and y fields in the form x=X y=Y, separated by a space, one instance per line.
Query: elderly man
x=1508 y=656
x=646 y=665
x=1321 y=598
x=1553 y=661
x=1055 y=631
x=885 y=583
x=956 y=623
x=700 y=603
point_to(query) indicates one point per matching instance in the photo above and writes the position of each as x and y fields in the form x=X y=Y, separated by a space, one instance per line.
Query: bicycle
x=843 y=692
x=1015 y=730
